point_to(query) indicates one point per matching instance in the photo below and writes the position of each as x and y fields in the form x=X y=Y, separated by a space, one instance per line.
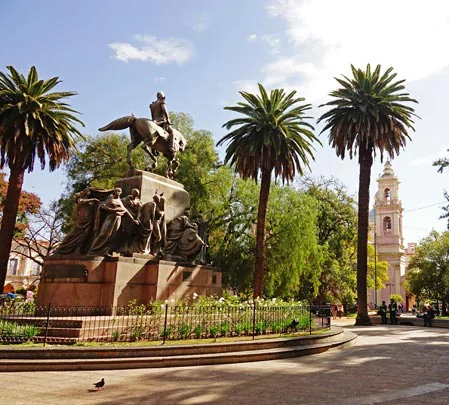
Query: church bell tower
x=388 y=237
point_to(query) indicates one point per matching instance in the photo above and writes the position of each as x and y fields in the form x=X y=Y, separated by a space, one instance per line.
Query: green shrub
x=225 y=328
x=167 y=333
x=115 y=335
x=184 y=330
x=16 y=330
x=198 y=331
x=214 y=330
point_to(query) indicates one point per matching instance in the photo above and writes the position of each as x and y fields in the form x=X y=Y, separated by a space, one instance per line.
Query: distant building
x=22 y=272
x=386 y=223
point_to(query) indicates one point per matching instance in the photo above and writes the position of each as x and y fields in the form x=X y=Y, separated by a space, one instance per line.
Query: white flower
x=195 y=295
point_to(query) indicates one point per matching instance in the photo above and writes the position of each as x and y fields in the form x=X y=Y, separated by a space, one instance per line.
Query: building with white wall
x=386 y=218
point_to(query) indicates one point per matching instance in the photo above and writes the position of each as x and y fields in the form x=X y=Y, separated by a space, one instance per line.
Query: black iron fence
x=20 y=322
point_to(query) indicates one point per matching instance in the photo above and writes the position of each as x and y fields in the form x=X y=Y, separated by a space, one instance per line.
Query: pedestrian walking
x=334 y=311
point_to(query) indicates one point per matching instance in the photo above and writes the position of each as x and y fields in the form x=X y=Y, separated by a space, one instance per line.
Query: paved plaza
x=387 y=365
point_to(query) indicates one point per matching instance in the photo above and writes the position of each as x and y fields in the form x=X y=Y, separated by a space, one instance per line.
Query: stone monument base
x=177 y=199
x=113 y=281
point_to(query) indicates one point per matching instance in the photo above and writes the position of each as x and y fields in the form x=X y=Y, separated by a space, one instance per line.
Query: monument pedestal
x=177 y=199
x=106 y=282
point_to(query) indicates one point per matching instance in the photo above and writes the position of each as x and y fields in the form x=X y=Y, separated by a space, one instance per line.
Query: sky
x=117 y=55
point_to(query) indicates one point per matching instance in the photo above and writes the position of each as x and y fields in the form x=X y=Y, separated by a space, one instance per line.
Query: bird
x=99 y=384
x=294 y=324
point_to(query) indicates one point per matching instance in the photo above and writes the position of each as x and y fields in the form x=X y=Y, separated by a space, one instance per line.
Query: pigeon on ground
x=99 y=384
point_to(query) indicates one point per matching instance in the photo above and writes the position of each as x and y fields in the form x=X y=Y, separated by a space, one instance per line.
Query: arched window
x=387 y=224
x=387 y=196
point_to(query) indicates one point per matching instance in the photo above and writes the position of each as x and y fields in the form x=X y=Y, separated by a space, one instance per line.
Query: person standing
x=334 y=311
x=393 y=311
x=428 y=316
x=340 y=310
x=383 y=312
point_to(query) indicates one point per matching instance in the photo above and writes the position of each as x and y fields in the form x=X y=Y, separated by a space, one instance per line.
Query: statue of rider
x=159 y=114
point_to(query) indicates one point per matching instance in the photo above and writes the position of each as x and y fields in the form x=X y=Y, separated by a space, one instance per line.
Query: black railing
x=21 y=322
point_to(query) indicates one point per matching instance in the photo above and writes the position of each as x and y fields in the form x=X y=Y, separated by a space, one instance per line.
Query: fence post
x=310 y=318
x=47 y=323
x=164 y=333
x=254 y=320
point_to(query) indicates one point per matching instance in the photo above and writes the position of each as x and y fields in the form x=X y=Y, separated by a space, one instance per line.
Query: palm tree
x=368 y=114
x=271 y=136
x=34 y=124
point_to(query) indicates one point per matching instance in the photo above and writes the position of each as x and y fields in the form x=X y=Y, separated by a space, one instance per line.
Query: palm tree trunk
x=260 y=233
x=9 y=219
x=365 y=161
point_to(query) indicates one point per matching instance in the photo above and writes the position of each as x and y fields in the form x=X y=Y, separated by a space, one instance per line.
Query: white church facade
x=388 y=239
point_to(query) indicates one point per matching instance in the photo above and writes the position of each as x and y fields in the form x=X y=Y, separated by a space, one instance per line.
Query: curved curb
x=172 y=356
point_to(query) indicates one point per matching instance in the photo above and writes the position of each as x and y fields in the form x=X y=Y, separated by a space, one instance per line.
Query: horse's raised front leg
x=147 y=149
x=130 y=147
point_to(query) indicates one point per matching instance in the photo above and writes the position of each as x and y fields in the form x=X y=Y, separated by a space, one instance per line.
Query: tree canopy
x=428 y=276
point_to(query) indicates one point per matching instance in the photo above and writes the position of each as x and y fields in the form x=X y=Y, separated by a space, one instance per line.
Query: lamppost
x=375 y=260
x=375 y=265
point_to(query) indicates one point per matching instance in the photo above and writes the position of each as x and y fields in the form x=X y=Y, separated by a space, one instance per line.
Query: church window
x=387 y=224
x=13 y=265
x=387 y=196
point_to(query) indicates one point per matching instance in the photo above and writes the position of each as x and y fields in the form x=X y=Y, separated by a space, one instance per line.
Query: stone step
x=167 y=350
x=107 y=359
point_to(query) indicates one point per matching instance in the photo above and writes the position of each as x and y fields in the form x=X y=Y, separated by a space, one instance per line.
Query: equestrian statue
x=156 y=135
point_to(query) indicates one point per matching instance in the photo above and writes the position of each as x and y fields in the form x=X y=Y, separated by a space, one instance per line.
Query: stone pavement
x=387 y=365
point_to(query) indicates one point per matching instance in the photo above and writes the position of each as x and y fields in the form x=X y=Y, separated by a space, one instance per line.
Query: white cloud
x=406 y=34
x=251 y=38
x=159 y=79
x=427 y=160
x=250 y=86
x=200 y=24
x=272 y=41
x=152 y=49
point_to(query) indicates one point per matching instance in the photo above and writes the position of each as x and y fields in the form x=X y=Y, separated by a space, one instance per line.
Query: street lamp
x=375 y=267
x=375 y=261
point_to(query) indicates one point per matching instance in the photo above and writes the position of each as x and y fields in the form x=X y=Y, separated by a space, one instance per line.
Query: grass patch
x=142 y=343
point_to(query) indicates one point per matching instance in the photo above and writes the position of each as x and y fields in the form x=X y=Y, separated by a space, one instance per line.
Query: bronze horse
x=154 y=138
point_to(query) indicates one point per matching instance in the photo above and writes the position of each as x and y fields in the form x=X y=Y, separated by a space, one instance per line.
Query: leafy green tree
x=368 y=114
x=231 y=240
x=272 y=137
x=35 y=123
x=100 y=162
x=292 y=250
x=335 y=228
x=428 y=276
x=197 y=163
